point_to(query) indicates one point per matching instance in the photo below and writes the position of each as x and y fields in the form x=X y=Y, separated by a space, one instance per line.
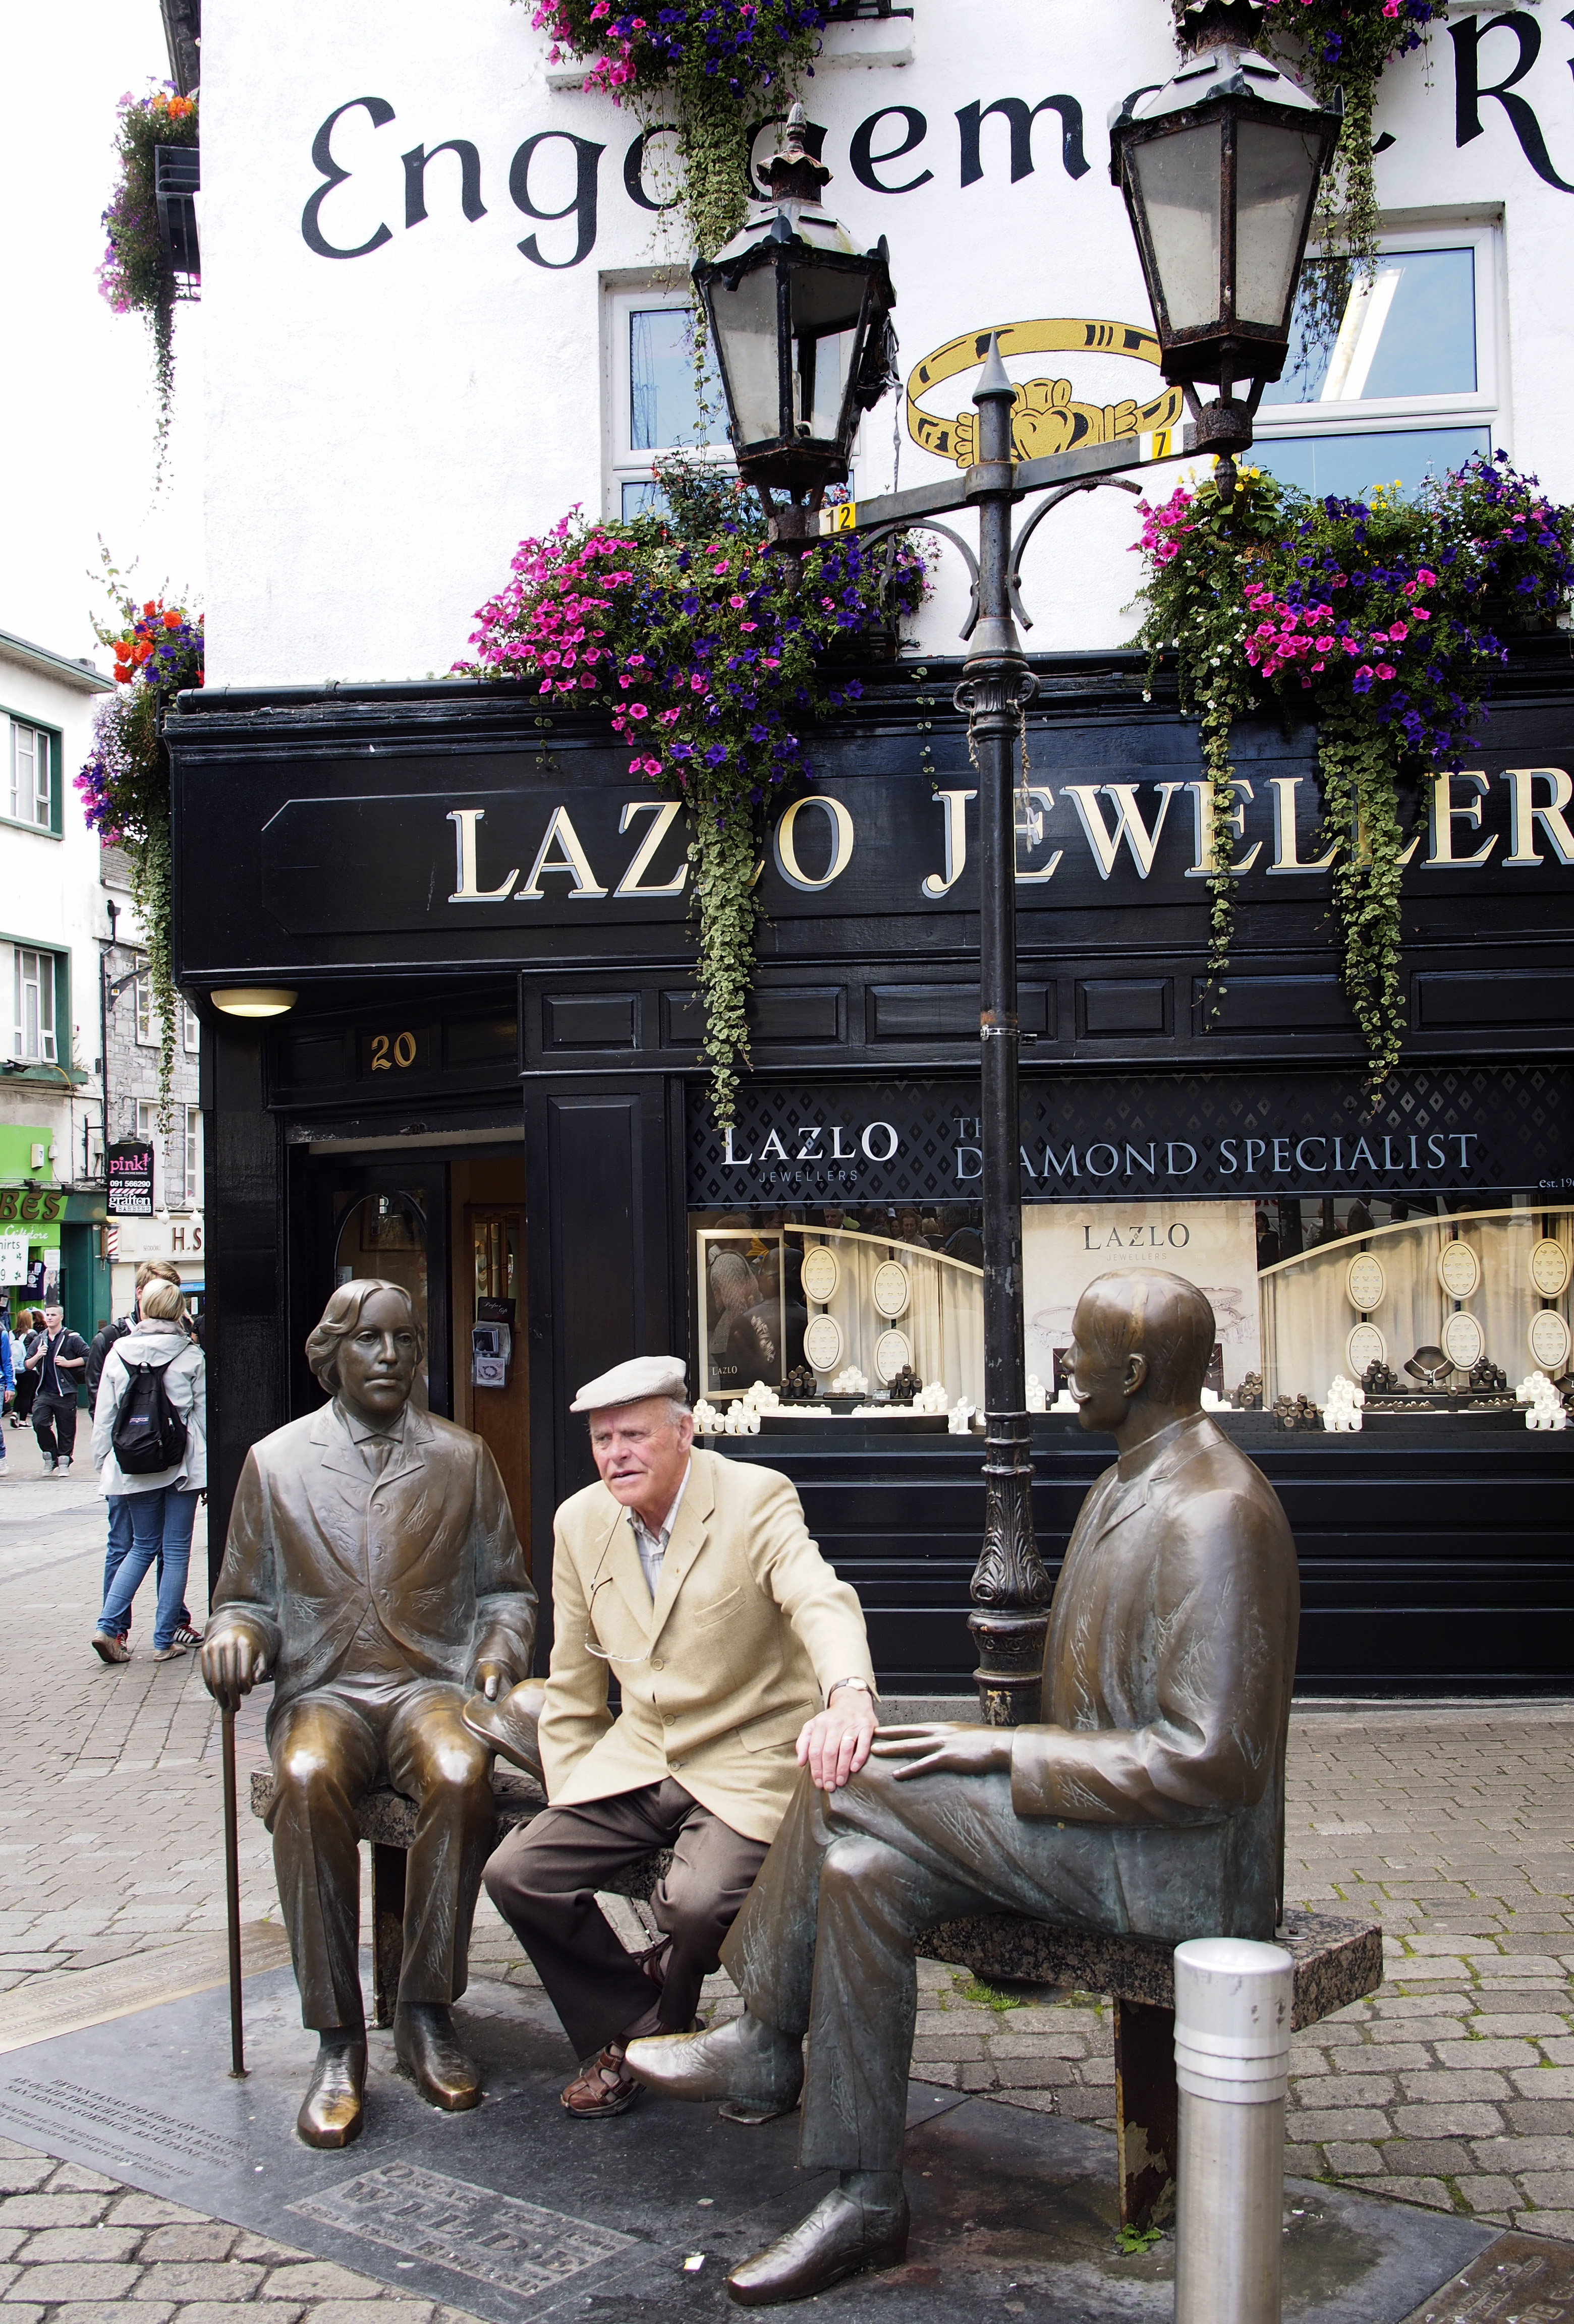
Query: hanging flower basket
x=152 y=260
x=704 y=651
x=125 y=786
x=1373 y=618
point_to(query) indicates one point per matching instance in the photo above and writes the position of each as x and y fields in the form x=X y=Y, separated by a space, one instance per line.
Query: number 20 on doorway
x=389 y=1051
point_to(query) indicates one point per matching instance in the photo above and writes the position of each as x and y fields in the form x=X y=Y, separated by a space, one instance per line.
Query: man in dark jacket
x=1150 y=1800
x=58 y=1360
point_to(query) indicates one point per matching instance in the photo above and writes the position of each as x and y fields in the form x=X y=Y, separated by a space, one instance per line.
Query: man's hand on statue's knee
x=232 y=1663
x=834 y=1745
x=939 y=1748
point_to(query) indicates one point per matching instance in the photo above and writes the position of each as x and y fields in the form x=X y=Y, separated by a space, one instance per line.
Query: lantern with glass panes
x=800 y=319
x=1220 y=170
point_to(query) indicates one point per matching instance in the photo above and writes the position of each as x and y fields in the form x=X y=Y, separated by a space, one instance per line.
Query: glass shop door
x=389 y=1223
x=492 y=1392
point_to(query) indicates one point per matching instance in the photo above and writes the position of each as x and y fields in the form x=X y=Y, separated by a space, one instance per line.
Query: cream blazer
x=749 y=1628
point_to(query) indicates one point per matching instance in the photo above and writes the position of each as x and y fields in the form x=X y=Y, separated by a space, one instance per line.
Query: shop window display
x=1334 y=1313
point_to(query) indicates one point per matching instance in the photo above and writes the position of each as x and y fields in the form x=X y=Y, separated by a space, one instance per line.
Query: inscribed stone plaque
x=455 y=2223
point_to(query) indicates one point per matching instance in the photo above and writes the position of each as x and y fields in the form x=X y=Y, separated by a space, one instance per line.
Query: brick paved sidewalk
x=1453 y=2086
x=73 y=2246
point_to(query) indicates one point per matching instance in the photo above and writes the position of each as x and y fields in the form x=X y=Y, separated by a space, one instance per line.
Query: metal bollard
x=1232 y=2059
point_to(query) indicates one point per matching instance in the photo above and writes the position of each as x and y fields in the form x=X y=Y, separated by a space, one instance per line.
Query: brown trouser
x=329 y=1748
x=543 y=1881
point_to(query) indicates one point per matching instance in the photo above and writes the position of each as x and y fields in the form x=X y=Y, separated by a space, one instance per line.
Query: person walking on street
x=152 y=1270
x=8 y=1382
x=163 y=1501
x=59 y=1357
x=31 y=1321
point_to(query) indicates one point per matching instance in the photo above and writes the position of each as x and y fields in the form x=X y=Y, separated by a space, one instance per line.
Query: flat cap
x=642 y=1376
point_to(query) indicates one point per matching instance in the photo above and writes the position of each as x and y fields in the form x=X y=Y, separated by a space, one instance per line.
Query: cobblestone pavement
x=1453 y=2086
x=73 y=2246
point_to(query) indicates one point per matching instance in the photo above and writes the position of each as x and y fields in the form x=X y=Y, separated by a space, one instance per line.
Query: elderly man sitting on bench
x=1150 y=1800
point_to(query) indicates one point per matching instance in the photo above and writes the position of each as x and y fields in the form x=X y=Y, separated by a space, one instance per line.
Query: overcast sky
x=78 y=402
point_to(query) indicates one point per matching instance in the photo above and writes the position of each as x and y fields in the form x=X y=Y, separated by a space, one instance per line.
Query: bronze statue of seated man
x=373 y=1572
x=1150 y=1800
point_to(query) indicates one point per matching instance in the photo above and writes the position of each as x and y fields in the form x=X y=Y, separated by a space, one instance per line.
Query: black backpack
x=149 y=1433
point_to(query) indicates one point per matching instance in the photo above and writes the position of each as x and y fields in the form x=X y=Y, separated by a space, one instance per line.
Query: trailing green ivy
x=705 y=651
x=720 y=63
x=1381 y=618
x=1343 y=47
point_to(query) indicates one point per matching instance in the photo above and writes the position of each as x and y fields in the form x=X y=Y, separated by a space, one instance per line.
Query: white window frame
x=1486 y=406
x=35 y=969
x=191 y=1158
x=24 y=812
x=146 y=1133
x=625 y=465
x=146 y=1035
x=190 y=1029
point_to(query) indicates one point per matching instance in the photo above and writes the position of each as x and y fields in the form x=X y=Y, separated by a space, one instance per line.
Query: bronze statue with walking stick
x=374 y=1574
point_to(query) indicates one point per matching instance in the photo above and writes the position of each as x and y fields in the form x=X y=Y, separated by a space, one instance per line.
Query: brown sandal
x=603 y=2087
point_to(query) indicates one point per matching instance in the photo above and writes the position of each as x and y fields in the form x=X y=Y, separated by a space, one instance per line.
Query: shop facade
x=489 y=1087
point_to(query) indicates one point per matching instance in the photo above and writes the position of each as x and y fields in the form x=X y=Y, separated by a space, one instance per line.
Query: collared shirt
x=377 y=1446
x=652 y=1546
x=1146 y=1455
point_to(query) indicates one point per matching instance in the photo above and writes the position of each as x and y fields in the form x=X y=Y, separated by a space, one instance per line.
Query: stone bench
x=1336 y=1961
x=387 y=1821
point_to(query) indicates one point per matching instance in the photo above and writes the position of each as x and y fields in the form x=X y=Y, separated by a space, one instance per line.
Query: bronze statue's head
x=382 y=1316
x=1140 y=1336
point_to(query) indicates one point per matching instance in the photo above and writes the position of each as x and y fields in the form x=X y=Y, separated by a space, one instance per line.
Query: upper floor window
x=147 y=1036
x=32 y=775
x=190 y=1029
x=191 y=1158
x=1403 y=381
x=37 y=1014
x=657 y=402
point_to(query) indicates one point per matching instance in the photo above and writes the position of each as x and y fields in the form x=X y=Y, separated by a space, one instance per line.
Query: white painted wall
x=381 y=430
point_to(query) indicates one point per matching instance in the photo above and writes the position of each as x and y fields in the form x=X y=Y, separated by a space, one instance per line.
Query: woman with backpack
x=150 y=1445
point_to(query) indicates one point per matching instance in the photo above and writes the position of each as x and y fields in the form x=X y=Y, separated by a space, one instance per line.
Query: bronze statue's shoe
x=331 y=2111
x=508 y=1725
x=758 y=2069
x=841 y=2236
x=427 y=2050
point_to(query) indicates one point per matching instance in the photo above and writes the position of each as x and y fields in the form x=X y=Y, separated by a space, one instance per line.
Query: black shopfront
x=489 y=1087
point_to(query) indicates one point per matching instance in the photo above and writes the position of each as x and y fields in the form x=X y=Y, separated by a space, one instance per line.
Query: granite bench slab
x=1336 y=1961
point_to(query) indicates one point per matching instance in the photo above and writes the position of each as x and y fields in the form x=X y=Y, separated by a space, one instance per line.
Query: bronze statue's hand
x=834 y=1745
x=492 y=1677
x=942 y=1749
x=232 y=1663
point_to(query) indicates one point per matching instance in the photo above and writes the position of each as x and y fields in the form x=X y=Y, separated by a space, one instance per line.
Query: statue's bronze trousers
x=329 y=1749
x=827 y=1941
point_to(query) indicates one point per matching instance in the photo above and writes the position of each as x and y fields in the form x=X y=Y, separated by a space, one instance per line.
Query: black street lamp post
x=1220 y=168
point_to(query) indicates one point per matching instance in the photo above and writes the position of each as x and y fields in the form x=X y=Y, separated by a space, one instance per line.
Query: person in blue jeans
x=152 y=1270
x=162 y=1507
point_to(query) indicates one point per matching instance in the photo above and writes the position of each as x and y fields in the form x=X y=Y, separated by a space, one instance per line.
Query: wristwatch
x=862 y=1685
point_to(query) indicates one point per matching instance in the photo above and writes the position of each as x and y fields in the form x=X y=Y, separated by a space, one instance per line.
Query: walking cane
x=237 y=2066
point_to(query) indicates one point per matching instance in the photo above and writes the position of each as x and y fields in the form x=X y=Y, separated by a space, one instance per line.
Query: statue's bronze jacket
x=316 y=1544
x=1167 y=1682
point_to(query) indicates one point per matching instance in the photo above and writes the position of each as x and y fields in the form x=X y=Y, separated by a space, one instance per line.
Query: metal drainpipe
x=1233 y=2002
